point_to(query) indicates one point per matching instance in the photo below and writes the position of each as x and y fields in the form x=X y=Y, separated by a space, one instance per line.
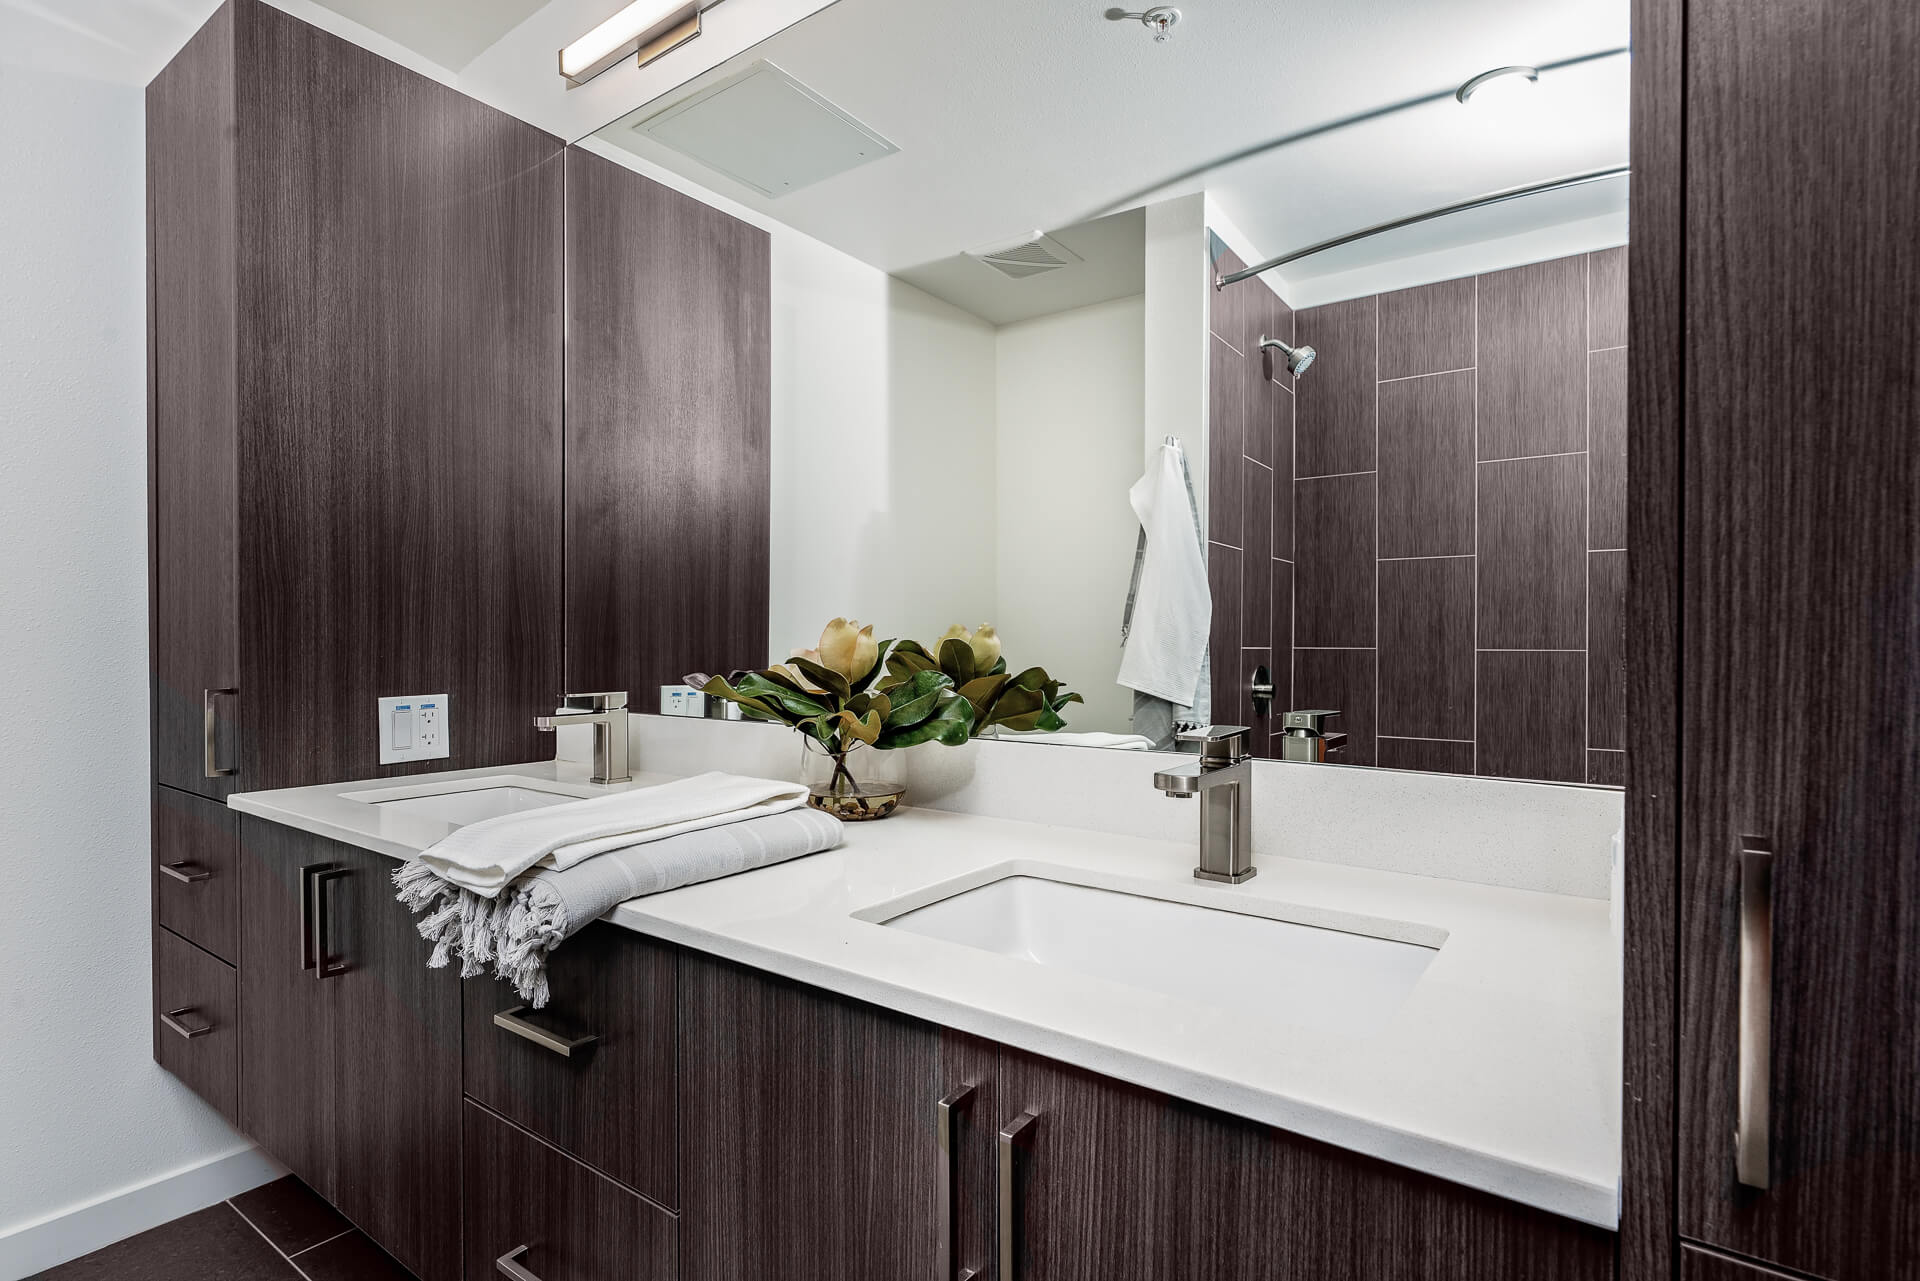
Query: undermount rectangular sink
x=456 y=806
x=1249 y=964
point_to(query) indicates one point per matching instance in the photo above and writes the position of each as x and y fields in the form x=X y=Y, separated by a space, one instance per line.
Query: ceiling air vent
x=1025 y=258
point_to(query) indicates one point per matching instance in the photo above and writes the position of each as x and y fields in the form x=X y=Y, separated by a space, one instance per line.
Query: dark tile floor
x=278 y=1232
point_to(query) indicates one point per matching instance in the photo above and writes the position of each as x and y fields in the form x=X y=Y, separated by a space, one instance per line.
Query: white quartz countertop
x=1501 y=1069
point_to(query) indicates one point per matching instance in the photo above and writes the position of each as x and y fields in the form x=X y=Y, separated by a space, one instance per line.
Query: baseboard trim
x=69 y=1234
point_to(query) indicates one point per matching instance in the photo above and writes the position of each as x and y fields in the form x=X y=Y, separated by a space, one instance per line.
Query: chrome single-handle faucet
x=1304 y=736
x=1223 y=778
x=607 y=713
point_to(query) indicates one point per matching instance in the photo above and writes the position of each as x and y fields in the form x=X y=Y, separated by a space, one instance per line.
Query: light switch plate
x=414 y=727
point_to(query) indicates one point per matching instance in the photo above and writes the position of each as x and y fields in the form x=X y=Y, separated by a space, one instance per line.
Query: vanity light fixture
x=646 y=29
x=1509 y=75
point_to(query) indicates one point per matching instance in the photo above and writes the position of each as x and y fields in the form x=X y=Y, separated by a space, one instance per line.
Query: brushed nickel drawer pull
x=508 y=1265
x=323 y=878
x=564 y=1047
x=1015 y=1138
x=186 y=871
x=210 y=764
x=946 y=1249
x=172 y=1018
x=1753 y=1119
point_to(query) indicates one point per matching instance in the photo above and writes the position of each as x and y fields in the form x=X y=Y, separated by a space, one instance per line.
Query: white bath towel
x=1173 y=609
x=1080 y=738
x=485 y=856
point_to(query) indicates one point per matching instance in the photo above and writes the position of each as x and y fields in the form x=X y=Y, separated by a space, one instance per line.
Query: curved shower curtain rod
x=1478 y=202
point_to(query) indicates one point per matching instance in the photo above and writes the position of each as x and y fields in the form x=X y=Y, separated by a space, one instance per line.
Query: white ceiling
x=1016 y=115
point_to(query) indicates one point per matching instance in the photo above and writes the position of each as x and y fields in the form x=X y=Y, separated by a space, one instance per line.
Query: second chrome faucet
x=1222 y=777
x=607 y=713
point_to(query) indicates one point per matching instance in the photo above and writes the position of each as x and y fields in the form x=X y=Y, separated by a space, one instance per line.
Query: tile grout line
x=271 y=1243
x=1337 y=475
x=1586 y=502
x=1376 y=530
x=1476 y=526
x=1432 y=373
x=347 y=1231
x=1416 y=738
x=1533 y=458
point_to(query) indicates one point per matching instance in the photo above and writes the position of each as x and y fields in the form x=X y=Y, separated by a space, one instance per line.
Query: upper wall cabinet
x=669 y=434
x=356 y=409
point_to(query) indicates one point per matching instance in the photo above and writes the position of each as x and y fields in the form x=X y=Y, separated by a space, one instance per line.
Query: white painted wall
x=84 y=1110
x=1176 y=334
x=1070 y=410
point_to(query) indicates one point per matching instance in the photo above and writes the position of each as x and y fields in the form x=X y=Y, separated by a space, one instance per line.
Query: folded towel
x=1081 y=738
x=485 y=856
x=516 y=930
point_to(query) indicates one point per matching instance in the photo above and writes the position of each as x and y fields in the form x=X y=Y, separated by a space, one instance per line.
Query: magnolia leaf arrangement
x=854 y=690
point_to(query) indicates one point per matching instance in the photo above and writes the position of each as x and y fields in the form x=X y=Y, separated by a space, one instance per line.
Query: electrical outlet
x=414 y=727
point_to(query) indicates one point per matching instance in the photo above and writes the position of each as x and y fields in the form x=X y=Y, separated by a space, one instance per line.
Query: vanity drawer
x=609 y=1100
x=534 y=1208
x=196 y=1035
x=196 y=845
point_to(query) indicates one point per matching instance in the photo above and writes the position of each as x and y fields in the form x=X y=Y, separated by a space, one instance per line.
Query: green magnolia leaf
x=799 y=705
x=757 y=707
x=865 y=728
x=951 y=724
x=982 y=691
x=916 y=698
x=999 y=666
x=1014 y=705
x=956 y=660
x=1032 y=678
x=908 y=659
x=872 y=700
x=825 y=677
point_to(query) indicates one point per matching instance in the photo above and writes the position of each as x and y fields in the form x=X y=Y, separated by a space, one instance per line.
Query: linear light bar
x=645 y=28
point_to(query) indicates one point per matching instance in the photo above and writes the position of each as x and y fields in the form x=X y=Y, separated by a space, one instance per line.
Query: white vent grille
x=1029 y=258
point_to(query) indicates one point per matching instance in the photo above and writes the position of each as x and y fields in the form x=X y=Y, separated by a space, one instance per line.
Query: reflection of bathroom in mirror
x=1009 y=342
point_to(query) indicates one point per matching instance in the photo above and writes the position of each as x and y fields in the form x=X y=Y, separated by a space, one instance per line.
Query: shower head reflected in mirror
x=1298 y=358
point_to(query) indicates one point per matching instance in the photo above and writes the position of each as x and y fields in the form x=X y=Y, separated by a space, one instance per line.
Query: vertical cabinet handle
x=307 y=933
x=1015 y=1139
x=186 y=872
x=1755 y=1073
x=947 y=1250
x=508 y=1265
x=173 y=1020
x=211 y=764
x=323 y=967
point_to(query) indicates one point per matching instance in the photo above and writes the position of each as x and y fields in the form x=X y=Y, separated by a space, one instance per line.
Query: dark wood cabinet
x=611 y=1101
x=669 y=434
x=356 y=349
x=809 y=1141
x=1114 y=1181
x=1702 y=1265
x=534 y=1206
x=196 y=870
x=196 y=1029
x=1801 y=622
x=350 y=1045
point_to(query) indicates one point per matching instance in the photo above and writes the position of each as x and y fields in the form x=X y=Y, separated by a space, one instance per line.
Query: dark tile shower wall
x=1250 y=523
x=1447 y=529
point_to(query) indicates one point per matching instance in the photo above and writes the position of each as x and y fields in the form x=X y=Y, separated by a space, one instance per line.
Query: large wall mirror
x=1011 y=332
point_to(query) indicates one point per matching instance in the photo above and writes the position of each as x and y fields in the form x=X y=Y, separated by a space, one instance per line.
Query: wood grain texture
x=1224 y=667
x=1283 y=467
x=1343 y=680
x=1426 y=648
x=1431 y=755
x=1428 y=329
x=1334 y=566
x=1122 y=1182
x=1532 y=715
x=1607 y=299
x=400 y=408
x=668 y=434
x=194 y=541
x=1606 y=767
x=807 y=1143
x=1333 y=403
x=1427 y=466
x=205 y=835
x=1533 y=345
x=1801 y=594
x=577 y=1224
x=615 y=1106
x=1282 y=591
x=186 y=977
x=1606 y=650
x=395 y=1072
x=1697 y=1264
x=1649 y=1230
x=1256 y=621
x=1533 y=553
x=287 y=1016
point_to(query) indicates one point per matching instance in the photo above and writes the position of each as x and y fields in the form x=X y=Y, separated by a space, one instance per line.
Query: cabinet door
x=1699 y=1265
x=1109 y=1180
x=195 y=1021
x=286 y=1013
x=196 y=873
x=810 y=1145
x=1801 y=717
x=532 y=1205
x=611 y=1102
x=396 y=1069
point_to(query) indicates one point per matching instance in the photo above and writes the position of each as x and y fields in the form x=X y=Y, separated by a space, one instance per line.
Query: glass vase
x=854 y=784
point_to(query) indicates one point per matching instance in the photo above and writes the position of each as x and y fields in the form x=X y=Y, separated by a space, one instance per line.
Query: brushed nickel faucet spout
x=607 y=713
x=1223 y=781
